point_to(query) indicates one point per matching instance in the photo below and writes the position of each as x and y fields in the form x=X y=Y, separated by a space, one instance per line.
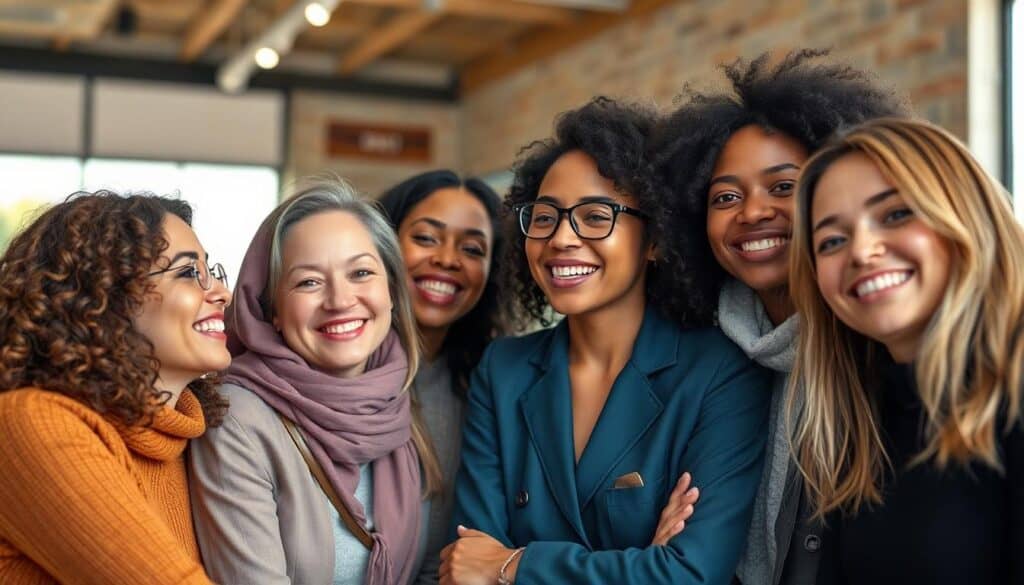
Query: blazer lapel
x=632 y=406
x=547 y=410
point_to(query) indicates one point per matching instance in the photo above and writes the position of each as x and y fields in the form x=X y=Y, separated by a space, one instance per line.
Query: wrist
x=507 y=574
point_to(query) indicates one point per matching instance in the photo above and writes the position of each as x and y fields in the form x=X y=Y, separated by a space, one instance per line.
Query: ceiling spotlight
x=317 y=14
x=267 y=58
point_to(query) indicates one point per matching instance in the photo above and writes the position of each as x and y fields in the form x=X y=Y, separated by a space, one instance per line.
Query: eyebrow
x=350 y=260
x=870 y=202
x=436 y=223
x=186 y=254
x=587 y=199
x=733 y=179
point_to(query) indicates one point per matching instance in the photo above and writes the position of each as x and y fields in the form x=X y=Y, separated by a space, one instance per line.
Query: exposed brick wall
x=919 y=46
x=312 y=112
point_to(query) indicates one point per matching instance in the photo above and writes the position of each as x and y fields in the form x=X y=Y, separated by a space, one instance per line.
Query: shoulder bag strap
x=357 y=529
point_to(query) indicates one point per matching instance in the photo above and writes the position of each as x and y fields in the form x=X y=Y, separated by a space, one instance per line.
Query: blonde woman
x=908 y=280
x=315 y=475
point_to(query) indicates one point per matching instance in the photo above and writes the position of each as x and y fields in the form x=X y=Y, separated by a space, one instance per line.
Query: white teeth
x=345 y=327
x=763 y=244
x=882 y=282
x=436 y=286
x=570 y=271
x=209 y=325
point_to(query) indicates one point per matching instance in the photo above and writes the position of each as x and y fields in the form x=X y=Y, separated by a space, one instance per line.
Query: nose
x=866 y=246
x=339 y=296
x=447 y=256
x=564 y=236
x=756 y=208
x=218 y=294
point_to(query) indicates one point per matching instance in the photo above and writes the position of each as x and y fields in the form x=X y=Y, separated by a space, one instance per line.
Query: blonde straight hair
x=969 y=365
x=322 y=195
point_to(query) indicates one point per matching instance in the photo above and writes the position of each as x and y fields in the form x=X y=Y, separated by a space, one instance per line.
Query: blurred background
x=227 y=102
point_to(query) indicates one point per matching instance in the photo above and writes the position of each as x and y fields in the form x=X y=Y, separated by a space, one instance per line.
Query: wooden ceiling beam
x=545 y=43
x=386 y=39
x=498 y=9
x=209 y=24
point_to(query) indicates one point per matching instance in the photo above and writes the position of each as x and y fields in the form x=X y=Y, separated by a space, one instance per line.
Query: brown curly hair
x=70 y=284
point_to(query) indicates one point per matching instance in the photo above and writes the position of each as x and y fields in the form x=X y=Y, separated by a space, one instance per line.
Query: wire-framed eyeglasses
x=203 y=273
x=590 y=220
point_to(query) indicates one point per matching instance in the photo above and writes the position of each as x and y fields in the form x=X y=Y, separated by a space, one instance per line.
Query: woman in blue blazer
x=575 y=435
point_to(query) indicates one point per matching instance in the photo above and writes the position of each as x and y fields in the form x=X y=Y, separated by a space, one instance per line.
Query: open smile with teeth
x=437 y=286
x=882 y=282
x=209 y=325
x=346 y=327
x=763 y=244
x=572 y=271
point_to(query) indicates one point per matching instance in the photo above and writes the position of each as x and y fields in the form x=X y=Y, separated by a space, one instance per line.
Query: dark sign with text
x=378 y=142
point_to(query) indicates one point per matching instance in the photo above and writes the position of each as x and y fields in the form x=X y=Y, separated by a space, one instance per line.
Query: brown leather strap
x=357 y=529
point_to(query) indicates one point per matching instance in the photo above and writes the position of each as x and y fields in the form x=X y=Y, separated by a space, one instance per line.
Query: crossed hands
x=476 y=557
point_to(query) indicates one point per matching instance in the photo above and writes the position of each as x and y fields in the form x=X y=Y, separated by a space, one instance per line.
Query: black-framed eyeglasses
x=591 y=220
x=203 y=273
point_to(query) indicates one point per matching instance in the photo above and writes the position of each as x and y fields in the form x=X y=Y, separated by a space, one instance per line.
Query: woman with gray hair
x=315 y=475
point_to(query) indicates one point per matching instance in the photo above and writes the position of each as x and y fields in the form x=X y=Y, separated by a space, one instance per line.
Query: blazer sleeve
x=234 y=508
x=480 y=485
x=68 y=503
x=1014 y=455
x=725 y=455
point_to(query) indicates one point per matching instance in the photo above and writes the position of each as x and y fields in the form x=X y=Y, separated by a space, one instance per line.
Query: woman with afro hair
x=731 y=160
x=576 y=435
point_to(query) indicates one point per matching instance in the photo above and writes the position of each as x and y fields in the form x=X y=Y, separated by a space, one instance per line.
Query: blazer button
x=522 y=498
x=812 y=543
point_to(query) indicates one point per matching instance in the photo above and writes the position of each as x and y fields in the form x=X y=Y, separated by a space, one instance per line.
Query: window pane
x=124 y=176
x=1017 y=103
x=229 y=202
x=29 y=183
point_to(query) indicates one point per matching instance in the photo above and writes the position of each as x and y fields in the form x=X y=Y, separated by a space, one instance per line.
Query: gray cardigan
x=260 y=517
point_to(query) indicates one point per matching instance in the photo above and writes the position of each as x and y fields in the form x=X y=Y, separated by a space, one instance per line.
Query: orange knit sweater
x=84 y=500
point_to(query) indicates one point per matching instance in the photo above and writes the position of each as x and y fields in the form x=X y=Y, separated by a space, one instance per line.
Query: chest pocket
x=627 y=517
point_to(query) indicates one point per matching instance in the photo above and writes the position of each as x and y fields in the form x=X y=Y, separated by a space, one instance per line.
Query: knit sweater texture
x=84 y=499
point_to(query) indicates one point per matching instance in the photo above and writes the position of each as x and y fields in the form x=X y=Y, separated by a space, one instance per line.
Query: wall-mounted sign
x=378 y=142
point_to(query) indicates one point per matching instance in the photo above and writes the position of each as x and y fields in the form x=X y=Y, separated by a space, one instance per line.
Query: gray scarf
x=742 y=317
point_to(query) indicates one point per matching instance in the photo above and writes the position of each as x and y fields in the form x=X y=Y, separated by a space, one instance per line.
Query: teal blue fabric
x=685 y=401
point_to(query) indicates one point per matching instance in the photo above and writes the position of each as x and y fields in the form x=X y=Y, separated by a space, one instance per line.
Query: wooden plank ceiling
x=480 y=41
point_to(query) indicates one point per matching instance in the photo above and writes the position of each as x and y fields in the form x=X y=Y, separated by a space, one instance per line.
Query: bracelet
x=502 y=578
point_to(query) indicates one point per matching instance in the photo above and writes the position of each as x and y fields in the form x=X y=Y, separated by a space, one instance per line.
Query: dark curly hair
x=468 y=337
x=616 y=135
x=800 y=97
x=70 y=284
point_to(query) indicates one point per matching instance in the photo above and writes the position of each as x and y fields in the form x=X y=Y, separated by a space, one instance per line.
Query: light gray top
x=260 y=517
x=350 y=556
x=442 y=412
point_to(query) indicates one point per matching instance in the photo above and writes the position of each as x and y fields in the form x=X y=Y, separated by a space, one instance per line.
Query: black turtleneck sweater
x=962 y=525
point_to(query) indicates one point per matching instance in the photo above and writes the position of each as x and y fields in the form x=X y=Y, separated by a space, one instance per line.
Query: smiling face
x=750 y=205
x=579 y=276
x=446 y=242
x=332 y=304
x=879 y=267
x=184 y=322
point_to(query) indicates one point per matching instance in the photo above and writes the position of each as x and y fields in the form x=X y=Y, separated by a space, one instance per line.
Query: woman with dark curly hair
x=575 y=435
x=732 y=160
x=448 y=230
x=110 y=317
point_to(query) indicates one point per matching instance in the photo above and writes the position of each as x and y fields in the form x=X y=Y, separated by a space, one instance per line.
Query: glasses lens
x=538 y=220
x=593 y=220
x=217 y=271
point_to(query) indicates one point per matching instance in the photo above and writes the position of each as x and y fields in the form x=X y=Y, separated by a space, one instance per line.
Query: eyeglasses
x=201 y=271
x=592 y=220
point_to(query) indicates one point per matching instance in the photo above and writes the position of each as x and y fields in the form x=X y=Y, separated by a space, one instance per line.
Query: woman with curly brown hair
x=109 y=318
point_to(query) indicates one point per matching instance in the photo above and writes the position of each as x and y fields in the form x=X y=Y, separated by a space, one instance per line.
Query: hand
x=474 y=559
x=677 y=511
